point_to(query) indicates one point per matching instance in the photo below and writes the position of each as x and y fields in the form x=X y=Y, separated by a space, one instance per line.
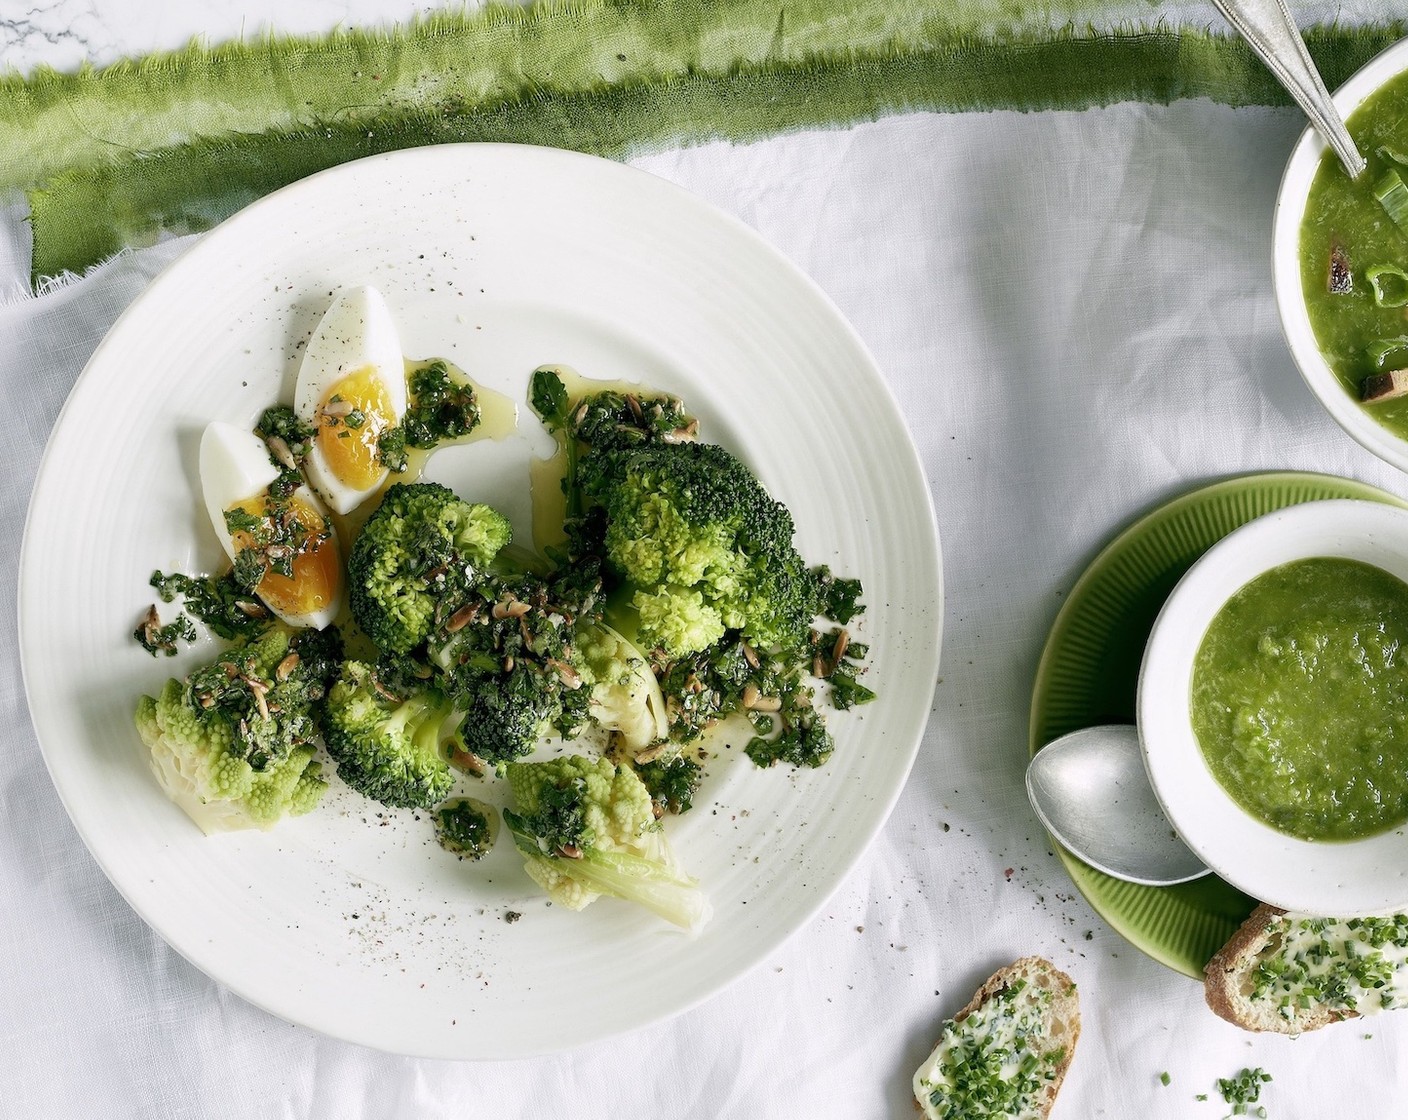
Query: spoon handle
x=1270 y=30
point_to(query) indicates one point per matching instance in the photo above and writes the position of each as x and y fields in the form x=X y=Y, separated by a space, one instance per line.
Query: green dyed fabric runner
x=177 y=142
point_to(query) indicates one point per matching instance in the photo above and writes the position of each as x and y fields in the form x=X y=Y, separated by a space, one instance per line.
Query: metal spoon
x=1092 y=793
x=1271 y=32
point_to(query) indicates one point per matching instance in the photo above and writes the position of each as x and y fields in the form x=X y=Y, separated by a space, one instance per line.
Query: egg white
x=235 y=466
x=356 y=332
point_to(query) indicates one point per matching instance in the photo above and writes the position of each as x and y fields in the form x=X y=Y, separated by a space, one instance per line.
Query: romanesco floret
x=625 y=696
x=586 y=828
x=231 y=744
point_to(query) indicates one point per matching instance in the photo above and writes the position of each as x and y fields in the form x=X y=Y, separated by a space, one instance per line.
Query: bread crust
x=1227 y=980
x=1065 y=1012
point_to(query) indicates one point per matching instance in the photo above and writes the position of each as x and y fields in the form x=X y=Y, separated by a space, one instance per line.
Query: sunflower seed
x=462 y=618
x=337 y=408
x=279 y=449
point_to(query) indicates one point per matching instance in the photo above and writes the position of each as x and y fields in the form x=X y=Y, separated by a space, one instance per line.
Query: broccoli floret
x=441 y=408
x=704 y=560
x=231 y=743
x=703 y=545
x=506 y=656
x=387 y=745
x=466 y=827
x=424 y=548
x=692 y=533
x=586 y=828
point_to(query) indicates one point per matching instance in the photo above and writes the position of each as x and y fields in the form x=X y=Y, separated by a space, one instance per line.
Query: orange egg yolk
x=351 y=418
x=317 y=569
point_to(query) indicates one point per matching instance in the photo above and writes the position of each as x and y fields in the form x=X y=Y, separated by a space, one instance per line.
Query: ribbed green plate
x=1090 y=669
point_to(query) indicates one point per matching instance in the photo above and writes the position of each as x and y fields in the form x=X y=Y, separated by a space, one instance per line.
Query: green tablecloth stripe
x=518 y=86
x=54 y=122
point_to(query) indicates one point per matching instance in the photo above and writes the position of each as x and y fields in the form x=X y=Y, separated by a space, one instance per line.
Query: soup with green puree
x=1354 y=259
x=1300 y=699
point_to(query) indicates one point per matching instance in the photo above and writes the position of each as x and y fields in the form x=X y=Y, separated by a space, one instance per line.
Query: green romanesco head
x=587 y=803
x=308 y=790
x=227 y=764
x=625 y=696
x=285 y=788
x=213 y=759
x=587 y=828
x=562 y=889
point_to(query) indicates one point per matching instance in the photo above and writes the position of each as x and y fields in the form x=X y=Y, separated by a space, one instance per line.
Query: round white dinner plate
x=351 y=920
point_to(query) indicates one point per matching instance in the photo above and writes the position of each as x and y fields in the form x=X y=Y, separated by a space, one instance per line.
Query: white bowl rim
x=1291 y=198
x=1341 y=878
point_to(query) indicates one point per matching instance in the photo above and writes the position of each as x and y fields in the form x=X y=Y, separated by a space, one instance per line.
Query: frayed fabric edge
x=18 y=293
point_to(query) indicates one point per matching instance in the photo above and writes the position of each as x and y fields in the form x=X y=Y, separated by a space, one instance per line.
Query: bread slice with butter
x=1293 y=973
x=1007 y=1052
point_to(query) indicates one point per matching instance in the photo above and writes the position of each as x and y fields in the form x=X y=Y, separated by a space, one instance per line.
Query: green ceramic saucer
x=1090 y=669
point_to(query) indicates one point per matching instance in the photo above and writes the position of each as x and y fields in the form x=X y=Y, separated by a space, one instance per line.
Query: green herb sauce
x=1351 y=327
x=1300 y=699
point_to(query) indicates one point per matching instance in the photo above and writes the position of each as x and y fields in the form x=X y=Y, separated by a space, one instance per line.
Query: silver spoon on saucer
x=1270 y=30
x=1092 y=793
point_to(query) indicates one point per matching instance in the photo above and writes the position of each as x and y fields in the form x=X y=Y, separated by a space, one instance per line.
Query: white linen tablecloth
x=1075 y=313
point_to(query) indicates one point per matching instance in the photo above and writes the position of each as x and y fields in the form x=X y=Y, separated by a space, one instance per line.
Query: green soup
x=1300 y=699
x=1359 y=334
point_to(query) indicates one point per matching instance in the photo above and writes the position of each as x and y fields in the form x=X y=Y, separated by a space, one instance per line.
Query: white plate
x=351 y=920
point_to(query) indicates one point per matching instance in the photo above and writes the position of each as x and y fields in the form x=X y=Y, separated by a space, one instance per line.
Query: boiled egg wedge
x=296 y=533
x=351 y=388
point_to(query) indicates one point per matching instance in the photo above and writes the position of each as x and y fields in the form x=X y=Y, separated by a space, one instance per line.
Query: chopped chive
x=1394 y=292
x=1164 y=1078
x=1381 y=348
x=1393 y=197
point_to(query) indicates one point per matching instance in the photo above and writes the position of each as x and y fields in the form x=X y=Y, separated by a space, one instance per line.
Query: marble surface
x=65 y=34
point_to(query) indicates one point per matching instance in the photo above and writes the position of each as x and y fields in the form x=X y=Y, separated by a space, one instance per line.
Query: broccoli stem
x=652 y=884
x=421 y=717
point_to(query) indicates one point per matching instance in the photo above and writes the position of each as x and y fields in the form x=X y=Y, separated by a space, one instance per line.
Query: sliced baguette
x=1231 y=977
x=1050 y=995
